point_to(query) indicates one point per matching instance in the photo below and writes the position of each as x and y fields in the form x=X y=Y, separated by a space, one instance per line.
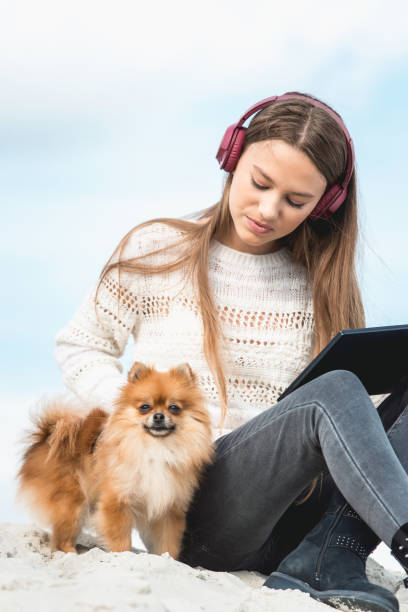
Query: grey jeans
x=245 y=513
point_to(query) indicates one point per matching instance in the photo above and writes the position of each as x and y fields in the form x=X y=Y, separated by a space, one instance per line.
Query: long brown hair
x=327 y=249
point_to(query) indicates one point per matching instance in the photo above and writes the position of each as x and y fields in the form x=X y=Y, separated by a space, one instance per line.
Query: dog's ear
x=185 y=371
x=138 y=371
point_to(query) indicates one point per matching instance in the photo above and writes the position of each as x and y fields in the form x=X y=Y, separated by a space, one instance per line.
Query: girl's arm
x=88 y=348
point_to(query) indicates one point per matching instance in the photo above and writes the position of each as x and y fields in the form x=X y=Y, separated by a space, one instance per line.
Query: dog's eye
x=144 y=408
x=174 y=409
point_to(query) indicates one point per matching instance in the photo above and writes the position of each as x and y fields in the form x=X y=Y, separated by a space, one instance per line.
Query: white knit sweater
x=266 y=314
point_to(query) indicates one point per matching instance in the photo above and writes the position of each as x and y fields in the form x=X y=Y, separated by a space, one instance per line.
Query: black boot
x=329 y=563
x=399 y=548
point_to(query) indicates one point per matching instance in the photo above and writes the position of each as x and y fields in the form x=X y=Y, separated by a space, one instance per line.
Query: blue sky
x=112 y=113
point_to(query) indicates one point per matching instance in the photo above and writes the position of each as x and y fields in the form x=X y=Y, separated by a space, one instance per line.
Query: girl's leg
x=329 y=563
x=262 y=467
x=299 y=519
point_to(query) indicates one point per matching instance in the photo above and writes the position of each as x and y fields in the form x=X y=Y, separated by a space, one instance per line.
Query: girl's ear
x=137 y=371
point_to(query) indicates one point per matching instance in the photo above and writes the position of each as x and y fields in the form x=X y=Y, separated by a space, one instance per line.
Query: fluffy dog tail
x=65 y=432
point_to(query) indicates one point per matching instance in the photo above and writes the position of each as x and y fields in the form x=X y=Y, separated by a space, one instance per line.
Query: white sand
x=31 y=578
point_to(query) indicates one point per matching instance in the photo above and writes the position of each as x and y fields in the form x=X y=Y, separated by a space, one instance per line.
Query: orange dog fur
x=138 y=467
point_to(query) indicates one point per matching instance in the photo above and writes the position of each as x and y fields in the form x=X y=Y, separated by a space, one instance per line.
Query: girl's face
x=276 y=185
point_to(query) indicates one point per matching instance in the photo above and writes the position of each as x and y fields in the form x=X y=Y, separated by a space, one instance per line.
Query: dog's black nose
x=158 y=417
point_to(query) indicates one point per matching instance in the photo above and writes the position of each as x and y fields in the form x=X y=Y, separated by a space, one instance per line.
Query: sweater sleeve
x=89 y=347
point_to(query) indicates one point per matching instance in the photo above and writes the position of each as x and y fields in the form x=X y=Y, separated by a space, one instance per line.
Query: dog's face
x=161 y=402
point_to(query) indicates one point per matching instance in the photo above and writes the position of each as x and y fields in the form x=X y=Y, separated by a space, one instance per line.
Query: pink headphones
x=233 y=141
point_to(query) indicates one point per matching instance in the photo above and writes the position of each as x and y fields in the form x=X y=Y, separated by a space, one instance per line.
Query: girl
x=248 y=293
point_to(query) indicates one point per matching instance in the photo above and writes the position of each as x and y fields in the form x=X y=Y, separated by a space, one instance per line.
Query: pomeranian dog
x=137 y=467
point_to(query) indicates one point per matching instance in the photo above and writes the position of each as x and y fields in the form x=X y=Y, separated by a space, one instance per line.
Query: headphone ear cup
x=329 y=203
x=231 y=147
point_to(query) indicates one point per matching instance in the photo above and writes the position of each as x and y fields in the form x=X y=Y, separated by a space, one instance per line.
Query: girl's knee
x=340 y=389
x=343 y=381
x=340 y=395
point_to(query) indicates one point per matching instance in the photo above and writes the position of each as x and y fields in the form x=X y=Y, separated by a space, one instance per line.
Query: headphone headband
x=232 y=143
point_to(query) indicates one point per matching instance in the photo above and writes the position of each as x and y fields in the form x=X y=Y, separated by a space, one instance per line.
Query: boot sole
x=335 y=598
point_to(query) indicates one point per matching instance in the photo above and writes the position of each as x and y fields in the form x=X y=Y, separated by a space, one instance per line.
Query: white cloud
x=104 y=54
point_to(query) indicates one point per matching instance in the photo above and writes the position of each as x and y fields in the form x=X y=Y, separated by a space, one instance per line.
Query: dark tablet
x=377 y=355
